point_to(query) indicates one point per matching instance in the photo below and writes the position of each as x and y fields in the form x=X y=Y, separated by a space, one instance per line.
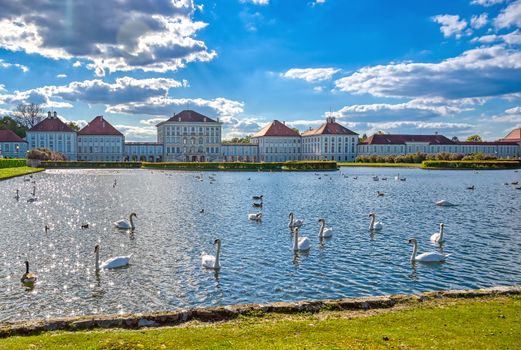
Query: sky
x=396 y=66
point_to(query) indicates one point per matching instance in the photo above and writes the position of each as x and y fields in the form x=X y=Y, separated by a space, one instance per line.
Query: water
x=482 y=235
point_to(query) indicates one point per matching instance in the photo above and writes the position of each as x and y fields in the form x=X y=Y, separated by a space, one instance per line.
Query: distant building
x=240 y=152
x=52 y=133
x=190 y=137
x=100 y=141
x=143 y=151
x=12 y=145
x=277 y=143
x=330 y=141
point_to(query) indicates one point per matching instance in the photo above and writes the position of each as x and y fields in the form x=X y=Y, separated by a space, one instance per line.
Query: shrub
x=45 y=154
x=245 y=166
x=12 y=163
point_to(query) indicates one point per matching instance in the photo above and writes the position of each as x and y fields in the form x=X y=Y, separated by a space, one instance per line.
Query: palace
x=189 y=136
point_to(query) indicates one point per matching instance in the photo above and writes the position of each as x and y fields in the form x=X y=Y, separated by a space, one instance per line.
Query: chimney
x=205 y=119
x=55 y=114
x=49 y=114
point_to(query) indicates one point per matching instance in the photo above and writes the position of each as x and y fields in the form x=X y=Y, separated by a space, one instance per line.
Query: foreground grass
x=383 y=165
x=7 y=173
x=486 y=323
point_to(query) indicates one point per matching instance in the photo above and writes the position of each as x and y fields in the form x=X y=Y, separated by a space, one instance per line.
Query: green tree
x=73 y=126
x=8 y=123
x=474 y=138
x=296 y=130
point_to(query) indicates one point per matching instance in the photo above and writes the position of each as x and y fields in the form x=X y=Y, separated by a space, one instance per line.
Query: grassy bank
x=383 y=165
x=482 y=323
x=471 y=164
x=7 y=173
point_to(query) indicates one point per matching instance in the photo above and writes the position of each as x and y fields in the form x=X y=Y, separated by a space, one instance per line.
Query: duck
x=112 y=263
x=324 y=232
x=301 y=244
x=46 y=228
x=126 y=224
x=514 y=183
x=379 y=194
x=294 y=222
x=255 y=216
x=85 y=226
x=470 y=187
x=212 y=262
x=444 y=203
x=428 y=257
x=258 y=197
x=17 y=197
x=374 y=225
x=437 y=237
x=257 y=205
x=28 y=277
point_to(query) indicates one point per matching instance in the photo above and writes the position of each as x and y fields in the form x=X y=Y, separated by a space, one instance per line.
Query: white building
x=12 y=145
x=190 y=137
x=240 y=152
x=330 y=141
x=277 y=143
x=144 y=151
x=55 y=135
x=100 y=141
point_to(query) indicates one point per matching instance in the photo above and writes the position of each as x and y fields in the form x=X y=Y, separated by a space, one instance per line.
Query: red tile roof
x=9 y=136
x=51 y=124
x=387 y=139
x=276 y=128
x=330 y=128
x=513 y=136
x=99 y=126
x=190 y=116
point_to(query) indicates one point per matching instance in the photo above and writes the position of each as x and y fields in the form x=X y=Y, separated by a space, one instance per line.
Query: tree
x=455 y=139
x=363 y=138
x=73 y=126
x=474 y=138
x=28 y=114
x=245 y=139
x=8 y=123
x=296 y=130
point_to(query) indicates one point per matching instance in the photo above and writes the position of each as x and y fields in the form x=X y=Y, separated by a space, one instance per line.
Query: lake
x=483 y=237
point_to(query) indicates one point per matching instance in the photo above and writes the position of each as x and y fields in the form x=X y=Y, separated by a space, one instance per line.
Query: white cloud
x=510 y=16
x=374 y=127
x=451 y=25
x=152 y=121
x=4 y=64
x=513 y=110
x=480 y=72
x=480 y=21
x=513 y=38
x=318 y=89
x=310 y=74
x=256 y=2
x=487 y=3
x=137 y=133
x=76 y=64
x=113 y=35
x=61 y=75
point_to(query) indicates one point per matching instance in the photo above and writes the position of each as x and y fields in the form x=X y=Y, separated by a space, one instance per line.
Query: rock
x=147 y=323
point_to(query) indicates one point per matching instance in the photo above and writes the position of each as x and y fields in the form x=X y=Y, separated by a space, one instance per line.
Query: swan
x=126 y=224
x=397 y=177
x=210 y=261
x=300 y=243
x=374 y=225
x=47 y=228
x=425 y=257
x=258 y=197
x=28 y=277
x=325 y=232
x=112 y=263
x=257 y=205
x=444 y=203
x=255 y=216
x=438 y=236
x=85 y=226
x=294 y=222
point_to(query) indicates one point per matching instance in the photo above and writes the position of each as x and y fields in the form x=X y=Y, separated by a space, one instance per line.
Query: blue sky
x=399 y=66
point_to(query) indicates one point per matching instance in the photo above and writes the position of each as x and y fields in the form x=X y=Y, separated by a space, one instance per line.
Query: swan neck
x=371 y=225
x=295 y=240
x=441 y=233
x=414 y=250
x=131 y=222
x=322 y=225
x=26 y=267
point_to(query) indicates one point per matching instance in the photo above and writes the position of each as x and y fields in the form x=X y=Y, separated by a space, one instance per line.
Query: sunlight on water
x=258 y=265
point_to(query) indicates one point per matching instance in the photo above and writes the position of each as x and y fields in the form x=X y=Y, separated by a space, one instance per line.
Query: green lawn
x=7 y=173
x=482 y=323
x=388 y=165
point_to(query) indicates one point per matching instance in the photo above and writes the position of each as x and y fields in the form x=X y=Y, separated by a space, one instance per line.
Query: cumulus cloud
x=513 y=38
x=76 y=64
x=152 y=121
x=513 y=110
x=113 y=35
x=256 y=2
x=510 y=16
x=487 y=3
x=310 y=75
x=4 y=64
x=241 y=126
x=451 y=25
x=137 y=133
x=480 y=72
x=62 y=75
x=416 y=125
x=480 y=21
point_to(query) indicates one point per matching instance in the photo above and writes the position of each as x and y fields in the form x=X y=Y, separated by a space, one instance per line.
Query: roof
x=513 y=136
x=276 y=128
x=51 y=124
x=9 y=136
x=190 y=116
x=330 y=127
x=388 y=139
x=99 y=126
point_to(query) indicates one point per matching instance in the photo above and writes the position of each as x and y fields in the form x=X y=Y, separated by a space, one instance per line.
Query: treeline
x=419 y=157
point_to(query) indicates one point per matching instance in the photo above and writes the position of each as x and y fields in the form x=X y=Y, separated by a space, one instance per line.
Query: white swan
x=255 y=216
x=374 y=225
x=301 y=244
x=438 y=236
x=294 y=222
x=126 y=224
x=325 y=232
x=210 y=261
x=112 y=263
x=425 y=257
x=28 y=277
x=444 y=203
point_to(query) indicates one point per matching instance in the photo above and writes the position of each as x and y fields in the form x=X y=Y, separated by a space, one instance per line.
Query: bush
x=479 y=156
x=45 y=154
x=12 y=163
x=471 y=164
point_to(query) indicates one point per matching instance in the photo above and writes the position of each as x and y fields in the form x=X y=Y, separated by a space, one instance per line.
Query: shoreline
x=231 y=312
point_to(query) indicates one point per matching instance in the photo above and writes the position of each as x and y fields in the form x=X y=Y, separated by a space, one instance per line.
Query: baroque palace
x=189 y=136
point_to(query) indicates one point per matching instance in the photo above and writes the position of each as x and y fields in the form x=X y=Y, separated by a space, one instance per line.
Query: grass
x=7 y=173
x=483 y=323
x=385 y=165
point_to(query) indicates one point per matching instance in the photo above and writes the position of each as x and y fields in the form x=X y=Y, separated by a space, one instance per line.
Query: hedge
x=76 y=164
x=274 y=166
x=12 y=163
x=471 y=164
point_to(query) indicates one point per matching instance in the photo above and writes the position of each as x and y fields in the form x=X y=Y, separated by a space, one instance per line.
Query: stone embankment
x=214 y=314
